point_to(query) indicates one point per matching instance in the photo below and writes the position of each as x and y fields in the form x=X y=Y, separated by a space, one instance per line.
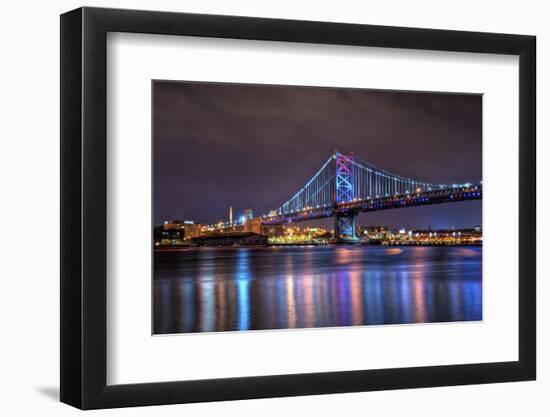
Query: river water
x=212 y=289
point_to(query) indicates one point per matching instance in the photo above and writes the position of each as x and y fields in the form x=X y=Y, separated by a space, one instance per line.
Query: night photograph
x=291 y=207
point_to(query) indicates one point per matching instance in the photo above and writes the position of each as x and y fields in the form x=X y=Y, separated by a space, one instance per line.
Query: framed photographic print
x=258 y=207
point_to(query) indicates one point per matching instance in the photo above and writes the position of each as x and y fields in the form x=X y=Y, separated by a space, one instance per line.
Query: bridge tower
x=344 y=227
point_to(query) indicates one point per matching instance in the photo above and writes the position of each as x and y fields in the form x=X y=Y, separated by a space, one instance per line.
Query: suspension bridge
x=345 y=186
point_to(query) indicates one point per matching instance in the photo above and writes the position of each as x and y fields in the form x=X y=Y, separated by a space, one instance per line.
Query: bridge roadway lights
x=344 y=228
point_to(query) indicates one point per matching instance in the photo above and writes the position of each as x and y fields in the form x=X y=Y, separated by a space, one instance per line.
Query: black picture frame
x=84 y=207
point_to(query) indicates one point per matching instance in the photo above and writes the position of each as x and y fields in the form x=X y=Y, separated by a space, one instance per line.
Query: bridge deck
x=447 y=195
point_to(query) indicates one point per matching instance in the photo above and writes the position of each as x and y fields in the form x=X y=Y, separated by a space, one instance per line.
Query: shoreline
x=281 y=245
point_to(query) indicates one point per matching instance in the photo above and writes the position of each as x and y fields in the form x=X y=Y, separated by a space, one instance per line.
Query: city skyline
x=215 y=146
x=364 y=219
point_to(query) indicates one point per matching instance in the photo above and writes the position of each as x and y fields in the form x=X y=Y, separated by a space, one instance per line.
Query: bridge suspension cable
x=316 y=193
x=373 y=182
x=344 y=178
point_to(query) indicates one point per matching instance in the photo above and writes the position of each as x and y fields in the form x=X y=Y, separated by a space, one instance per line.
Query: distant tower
x=230 y=215
x=248 y=214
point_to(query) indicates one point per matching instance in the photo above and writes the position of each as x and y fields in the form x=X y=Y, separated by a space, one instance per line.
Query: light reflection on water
x=206 y=290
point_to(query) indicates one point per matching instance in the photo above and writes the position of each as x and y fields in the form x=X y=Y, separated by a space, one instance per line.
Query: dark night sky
x=253 y=146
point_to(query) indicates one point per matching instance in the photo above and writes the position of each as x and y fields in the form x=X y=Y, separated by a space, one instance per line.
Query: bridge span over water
x=345 y=186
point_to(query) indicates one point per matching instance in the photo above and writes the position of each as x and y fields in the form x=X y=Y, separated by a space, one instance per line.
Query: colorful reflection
x=207 y=290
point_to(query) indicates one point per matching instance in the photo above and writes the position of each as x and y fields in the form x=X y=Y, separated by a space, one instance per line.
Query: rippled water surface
x=207 y=290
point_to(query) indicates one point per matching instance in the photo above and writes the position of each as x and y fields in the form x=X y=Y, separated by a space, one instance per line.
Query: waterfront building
x=191 y=230
x=176 y=232
x=170 y=233
x=231 y=239
x=469 y=236
x=374 y=234
x=273 y=230
x=253 y=225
